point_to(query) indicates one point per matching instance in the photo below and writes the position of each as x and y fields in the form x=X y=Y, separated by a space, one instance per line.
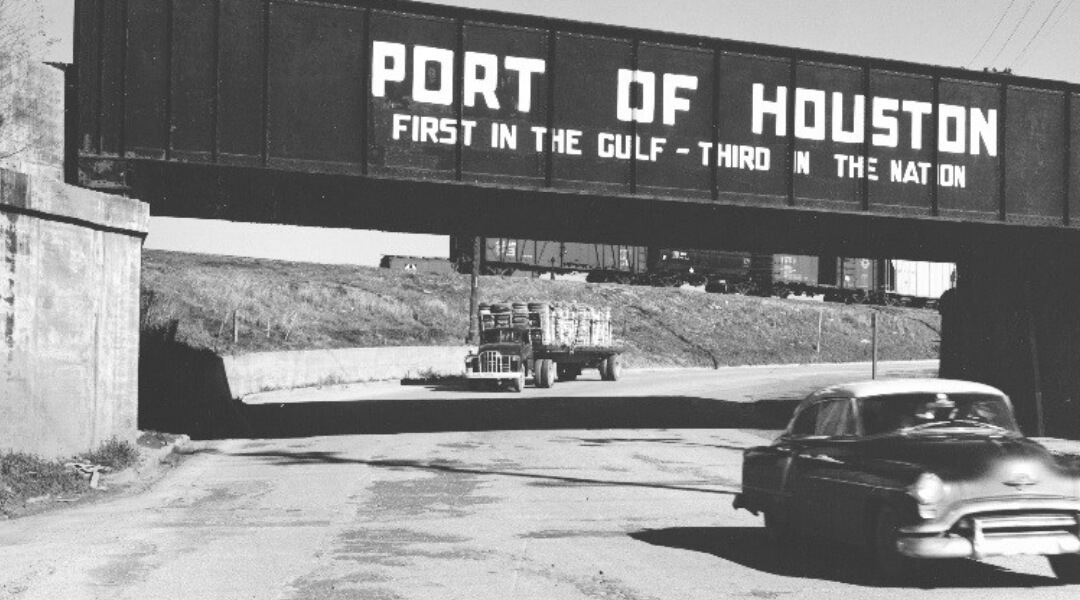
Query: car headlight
x=928 y=489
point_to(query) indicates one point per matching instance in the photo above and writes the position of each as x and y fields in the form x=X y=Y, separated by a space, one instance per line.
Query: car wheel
x=891 y=564
x=1066 y=567
x=776 y=527
x=603 y=369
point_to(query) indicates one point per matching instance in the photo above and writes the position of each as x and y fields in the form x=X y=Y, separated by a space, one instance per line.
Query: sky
x=1035 y=38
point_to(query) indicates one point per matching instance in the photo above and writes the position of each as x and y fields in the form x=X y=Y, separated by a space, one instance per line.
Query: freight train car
x=836 y=279
x=672 y=266
x=417 y=264
x=509 y=256
x=921 y=283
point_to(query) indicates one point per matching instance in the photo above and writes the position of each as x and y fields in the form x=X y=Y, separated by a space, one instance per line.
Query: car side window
x=805 y=422
x=835 y=418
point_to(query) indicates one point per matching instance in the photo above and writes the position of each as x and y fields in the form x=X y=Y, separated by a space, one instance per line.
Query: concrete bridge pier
x=69 y=315
x=1013 y=322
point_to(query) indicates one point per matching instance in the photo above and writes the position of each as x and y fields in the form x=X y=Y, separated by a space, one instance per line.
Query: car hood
x=982 y=464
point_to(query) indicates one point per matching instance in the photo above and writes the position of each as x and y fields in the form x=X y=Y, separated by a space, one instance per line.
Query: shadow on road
x=307 y=458
x=750 y=547
x=236 y=420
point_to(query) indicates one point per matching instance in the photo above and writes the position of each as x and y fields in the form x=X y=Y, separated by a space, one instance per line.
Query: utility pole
x=873 y=345
x=474 y=296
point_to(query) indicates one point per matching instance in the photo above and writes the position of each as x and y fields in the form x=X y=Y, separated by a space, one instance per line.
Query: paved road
x=568 y=509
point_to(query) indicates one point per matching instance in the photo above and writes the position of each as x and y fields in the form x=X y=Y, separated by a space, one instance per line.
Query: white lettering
x=475 y=64
x=814 y=100
x=381 y=73
x=802 y=162
x=401 y=125
x=646 y=82
x=526 y=68
x=952 y=128
x=672 y=101
x=984 y=130
x=839 y=134
x=504 y=136
x=886 y=122
x=777 y=108
x=917 y=110
x=444 y=76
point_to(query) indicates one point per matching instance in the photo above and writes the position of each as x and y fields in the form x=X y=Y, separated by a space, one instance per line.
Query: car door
x=765 y=469
x=819 y=494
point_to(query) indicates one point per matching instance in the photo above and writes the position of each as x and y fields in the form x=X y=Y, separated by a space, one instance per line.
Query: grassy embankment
x=293 y=306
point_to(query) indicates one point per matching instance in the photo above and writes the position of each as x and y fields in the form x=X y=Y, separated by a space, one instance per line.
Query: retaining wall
x=69 y=315
x=265 y=371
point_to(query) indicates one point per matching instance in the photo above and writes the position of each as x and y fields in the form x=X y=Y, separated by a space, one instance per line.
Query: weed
x=115 y=454
x=24 y=476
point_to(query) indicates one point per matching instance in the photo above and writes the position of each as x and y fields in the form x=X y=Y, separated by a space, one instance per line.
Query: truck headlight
x=928 y=489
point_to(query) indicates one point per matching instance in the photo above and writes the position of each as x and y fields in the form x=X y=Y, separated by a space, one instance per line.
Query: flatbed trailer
x=570 y=361
x=547 y=343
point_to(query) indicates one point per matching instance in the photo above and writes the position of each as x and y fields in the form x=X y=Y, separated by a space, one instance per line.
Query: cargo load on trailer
x=547 y=342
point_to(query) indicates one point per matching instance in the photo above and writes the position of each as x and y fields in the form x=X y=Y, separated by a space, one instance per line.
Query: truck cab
x=504 y=357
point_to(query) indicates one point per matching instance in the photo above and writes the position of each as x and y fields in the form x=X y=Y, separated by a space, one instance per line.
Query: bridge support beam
x=1014 y=322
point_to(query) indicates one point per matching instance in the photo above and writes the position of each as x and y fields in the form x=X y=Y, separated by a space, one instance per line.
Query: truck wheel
x=603 y=369
x=518 y=383
x=1066 y=567
x=614 y=369
x=545 y=378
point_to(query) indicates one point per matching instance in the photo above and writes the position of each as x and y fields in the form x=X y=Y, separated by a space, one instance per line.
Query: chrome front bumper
x=997 y=527
x=506 y=375
x=957 y=546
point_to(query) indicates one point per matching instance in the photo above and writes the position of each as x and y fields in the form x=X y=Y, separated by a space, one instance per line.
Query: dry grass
x=282 y=305
x=26 y=478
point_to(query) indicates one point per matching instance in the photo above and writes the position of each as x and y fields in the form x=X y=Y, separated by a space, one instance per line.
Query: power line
x=992 y=32
x=1013 y=32
x=1041 y=26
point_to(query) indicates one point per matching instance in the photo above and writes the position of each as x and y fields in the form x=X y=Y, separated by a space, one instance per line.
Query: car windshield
x=494 y=336
x=914 y=412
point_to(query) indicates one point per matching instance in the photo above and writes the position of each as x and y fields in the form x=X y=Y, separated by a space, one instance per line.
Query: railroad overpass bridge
x=411 y=117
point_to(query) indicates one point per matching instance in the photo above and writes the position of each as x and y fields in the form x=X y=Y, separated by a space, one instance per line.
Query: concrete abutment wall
x=70 y=263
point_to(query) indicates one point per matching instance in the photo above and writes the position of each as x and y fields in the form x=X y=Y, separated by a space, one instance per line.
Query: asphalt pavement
x=588 y=490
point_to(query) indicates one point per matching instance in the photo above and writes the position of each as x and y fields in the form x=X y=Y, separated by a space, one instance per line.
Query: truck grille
x=493 y=362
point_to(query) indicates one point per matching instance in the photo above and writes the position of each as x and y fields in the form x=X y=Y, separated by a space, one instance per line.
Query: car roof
x=862 y=389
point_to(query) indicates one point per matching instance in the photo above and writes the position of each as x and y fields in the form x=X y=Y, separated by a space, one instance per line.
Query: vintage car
x=916 y=469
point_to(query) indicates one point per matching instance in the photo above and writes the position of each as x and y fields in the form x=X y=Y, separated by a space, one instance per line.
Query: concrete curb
x=263 y=372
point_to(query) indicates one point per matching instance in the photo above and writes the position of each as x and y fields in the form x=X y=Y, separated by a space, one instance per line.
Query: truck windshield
x=912 y=412
x=495 y=336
